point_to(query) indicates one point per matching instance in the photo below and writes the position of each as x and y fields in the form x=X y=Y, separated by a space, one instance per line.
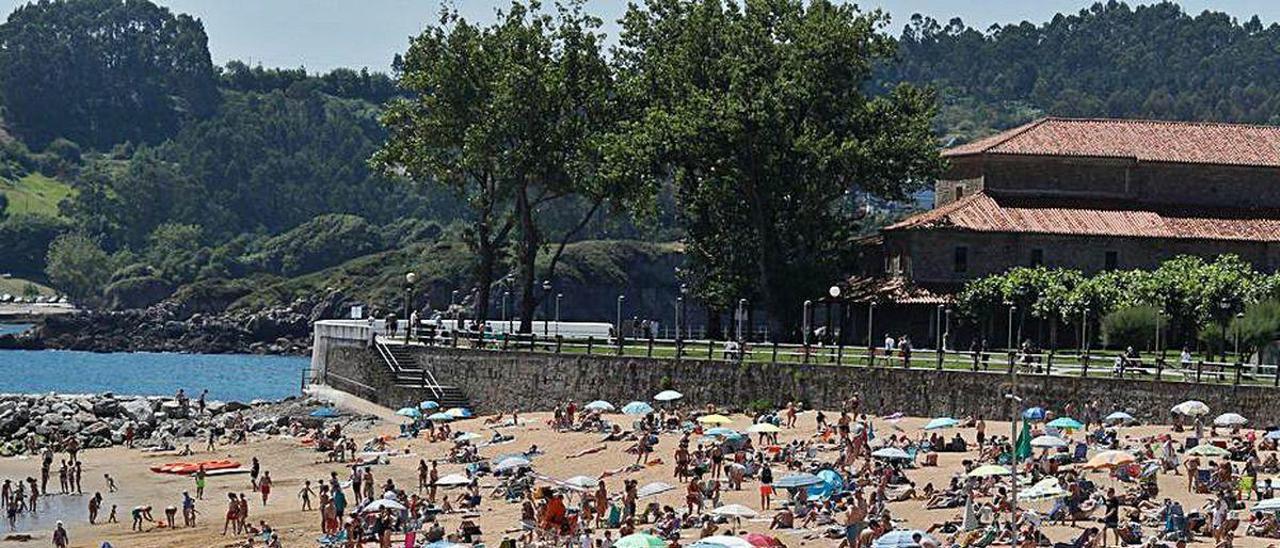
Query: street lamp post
x=505 y=324
x=558 y=297
x=1084 y=331
x=871 y=316
x=946 y=333
x=1239 y=316
x=937 y=325
x=409 y=280
x=618 y=324
x=546 y=301
x=804 y=321
x=684 y=316
x=742 y=317
x=834 y=293
x=1009 y=340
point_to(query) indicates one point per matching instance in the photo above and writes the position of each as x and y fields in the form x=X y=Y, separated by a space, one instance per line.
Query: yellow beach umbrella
x=714 y=419
x=1208 y=450
x=763 y=428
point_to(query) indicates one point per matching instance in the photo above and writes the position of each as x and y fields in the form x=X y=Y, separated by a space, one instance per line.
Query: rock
x=52 y=419
x=97 y=429
x=106 y=407
x=139 y=410
x=233 y=406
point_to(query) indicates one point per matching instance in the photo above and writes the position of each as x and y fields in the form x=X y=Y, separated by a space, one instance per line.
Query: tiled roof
x=897 y=290
x=982 y=212
x=1141 y=140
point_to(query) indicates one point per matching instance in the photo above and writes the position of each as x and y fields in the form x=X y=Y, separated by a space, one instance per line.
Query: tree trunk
x=527 y=259
x=713 y=323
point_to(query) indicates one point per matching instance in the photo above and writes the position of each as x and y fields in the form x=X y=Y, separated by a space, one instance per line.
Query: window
x=959 y=191
x=1112 y=260
x=962 y=259
x=1037 y=257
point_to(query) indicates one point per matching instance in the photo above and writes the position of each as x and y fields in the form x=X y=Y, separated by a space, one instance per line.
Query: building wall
x=497 y=381
x=1149 y=182
x=931 y=253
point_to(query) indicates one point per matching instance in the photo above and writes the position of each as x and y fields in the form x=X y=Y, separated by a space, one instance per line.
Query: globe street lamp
x=1009 y=340
x=409 y=280
x=742 y=317
x=505 y=325
x=804 y=322
x=683 y=316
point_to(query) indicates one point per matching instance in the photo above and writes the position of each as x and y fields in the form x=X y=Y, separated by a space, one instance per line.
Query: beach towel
x=410 y=538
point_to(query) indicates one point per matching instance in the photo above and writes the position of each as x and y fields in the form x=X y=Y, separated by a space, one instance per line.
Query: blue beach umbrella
x=441 y=417
x=637 y=408
x=1033 y=414
x=1119 y=417
x=460 y=413
x=325 y=413
x=429 y=405
x=722 y=431
x=1066 y=422
x=411 y=412
x=599 y=405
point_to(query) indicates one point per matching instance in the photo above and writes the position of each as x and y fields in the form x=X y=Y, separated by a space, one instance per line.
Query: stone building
x=1086 y=194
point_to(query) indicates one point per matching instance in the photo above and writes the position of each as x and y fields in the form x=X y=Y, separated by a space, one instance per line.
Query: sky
x=327 y=34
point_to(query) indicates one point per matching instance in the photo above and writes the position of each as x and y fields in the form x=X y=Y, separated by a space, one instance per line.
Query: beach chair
x=1081 y=453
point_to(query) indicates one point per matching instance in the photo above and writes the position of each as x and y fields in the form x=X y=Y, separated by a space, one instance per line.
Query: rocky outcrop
x=28 y=421
x=169 y=327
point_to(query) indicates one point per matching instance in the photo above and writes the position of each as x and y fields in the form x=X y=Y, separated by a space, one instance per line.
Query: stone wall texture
x=497 y=381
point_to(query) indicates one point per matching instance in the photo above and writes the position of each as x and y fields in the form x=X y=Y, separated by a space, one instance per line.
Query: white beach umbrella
x=1048 y=442
x=734 y=511
x=651 y=489
x=1230 y=419
x=1191 y=408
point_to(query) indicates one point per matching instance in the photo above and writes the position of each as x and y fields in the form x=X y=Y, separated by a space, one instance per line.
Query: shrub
x=1130 y=326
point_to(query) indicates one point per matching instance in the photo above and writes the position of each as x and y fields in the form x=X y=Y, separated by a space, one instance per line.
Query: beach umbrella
x=652 y=489
x=891 y=453
x=582 y=482
x=989 y=470
x=1229 y=419
x=599 y=405
x=797 y=480
x=466 y=436
x=440 y=417
x=460 y=413
x=453 y=480
x=1110 y=459
x=1208 y=450
x=325 y=413
x=1048 y=442
x=940 y=423
x=902 y=538
x=378 y=505
x=734 y=511
x=763 y=428
x=411 y=412
x=637 y=408
x=1273 y=435
x=1066 y=423
x=714 y=419
x=512 y=463
x=721 y=541
x=429 y=405
x=762 y=540
x=668 y=395
x=1047 y=489
x=1191 y=408
x=1119 y=417
x=1033 y=414
x=1269 y=505
x=640 y=540
x=443 y=544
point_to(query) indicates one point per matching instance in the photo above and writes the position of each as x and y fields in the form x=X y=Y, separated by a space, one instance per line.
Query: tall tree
x=757 y=111
x=509 y=116
x=100 y=72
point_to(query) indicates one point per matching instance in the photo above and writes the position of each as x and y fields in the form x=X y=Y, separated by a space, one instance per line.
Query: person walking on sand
x=264 y=486
x=201 y=479
x=254 y=469
x=233 y=511
x=188 y=510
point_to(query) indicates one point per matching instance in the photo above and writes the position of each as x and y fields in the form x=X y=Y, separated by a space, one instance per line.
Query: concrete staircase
x=408 y=374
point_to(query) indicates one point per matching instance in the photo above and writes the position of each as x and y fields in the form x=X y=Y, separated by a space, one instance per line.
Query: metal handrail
x=428 y=380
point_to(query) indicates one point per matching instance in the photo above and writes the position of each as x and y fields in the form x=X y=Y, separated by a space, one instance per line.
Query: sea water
x=226 y=376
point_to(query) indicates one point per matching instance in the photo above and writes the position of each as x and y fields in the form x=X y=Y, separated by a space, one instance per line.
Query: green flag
x=1023 y=449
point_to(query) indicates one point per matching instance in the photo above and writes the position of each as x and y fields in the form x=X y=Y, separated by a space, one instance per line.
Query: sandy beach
x=290 y=463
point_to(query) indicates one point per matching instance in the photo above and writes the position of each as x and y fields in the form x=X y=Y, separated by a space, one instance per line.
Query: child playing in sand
x=112 y=517
x=111 y=483
x=305 y=495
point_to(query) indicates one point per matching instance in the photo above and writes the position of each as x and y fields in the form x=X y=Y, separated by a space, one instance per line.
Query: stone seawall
x=499 y=381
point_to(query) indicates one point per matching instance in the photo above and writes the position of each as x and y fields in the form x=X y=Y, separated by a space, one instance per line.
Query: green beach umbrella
x=1023 y=449
x=640 y=540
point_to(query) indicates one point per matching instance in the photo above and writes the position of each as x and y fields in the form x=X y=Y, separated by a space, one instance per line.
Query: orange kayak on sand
x=193 y=467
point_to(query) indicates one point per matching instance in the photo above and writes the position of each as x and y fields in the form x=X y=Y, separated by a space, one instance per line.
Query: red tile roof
x=982 y=212
x=897 y=290
x=1140 y=140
